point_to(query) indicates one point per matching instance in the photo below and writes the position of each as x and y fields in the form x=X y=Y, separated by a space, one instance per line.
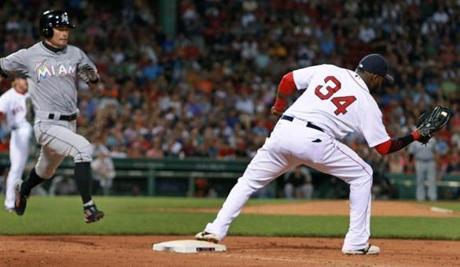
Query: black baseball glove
x=88 y=74
x=430 y=122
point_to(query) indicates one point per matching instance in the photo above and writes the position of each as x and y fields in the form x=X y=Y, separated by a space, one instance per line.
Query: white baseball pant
x=19 y=152
x=58 y=140
x=292 y=144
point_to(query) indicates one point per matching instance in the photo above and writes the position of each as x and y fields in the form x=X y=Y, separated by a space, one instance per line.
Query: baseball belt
x=309 y=124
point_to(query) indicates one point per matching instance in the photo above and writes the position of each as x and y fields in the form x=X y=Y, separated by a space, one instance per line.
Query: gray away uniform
x=425 y=168
x=52 y=78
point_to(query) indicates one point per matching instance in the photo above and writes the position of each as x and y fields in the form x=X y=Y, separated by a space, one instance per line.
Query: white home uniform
x=13 y=106
x=336 y=102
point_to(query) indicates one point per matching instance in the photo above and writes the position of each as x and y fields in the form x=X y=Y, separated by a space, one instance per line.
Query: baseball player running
x=13 y=111
x=336 y=102
x=53 y=68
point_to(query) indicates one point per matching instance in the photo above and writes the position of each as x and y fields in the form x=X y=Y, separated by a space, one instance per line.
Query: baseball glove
x=88 y=74
x=430 y=122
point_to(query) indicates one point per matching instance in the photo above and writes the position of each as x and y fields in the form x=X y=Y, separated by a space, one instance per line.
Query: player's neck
x=364 y=77
x=52 y=48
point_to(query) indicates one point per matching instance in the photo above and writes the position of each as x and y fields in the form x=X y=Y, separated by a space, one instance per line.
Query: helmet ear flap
x=46 y=23
x=47 y=32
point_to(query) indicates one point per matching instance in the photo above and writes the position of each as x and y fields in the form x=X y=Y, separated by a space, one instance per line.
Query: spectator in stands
x=453 y=167
x=62 y=186
x=103 y=167
x=222 y=62
x=204 y=189
x=298 y=183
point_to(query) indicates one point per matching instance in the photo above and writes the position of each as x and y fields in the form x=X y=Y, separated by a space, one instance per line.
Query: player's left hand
x=431 y=122
x=88 y=74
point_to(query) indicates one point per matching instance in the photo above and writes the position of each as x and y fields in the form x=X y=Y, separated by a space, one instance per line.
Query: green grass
x=162 y=216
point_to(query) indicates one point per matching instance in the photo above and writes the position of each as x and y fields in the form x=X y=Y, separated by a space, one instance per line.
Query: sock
x=88 y=204
x=31 y=182
x=83 y=179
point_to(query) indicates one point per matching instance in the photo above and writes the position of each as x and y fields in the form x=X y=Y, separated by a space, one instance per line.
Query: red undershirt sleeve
x=286 y=88
x=396 y=144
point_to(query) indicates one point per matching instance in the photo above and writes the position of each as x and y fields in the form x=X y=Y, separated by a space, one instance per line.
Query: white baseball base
x=189 y=246
x=442 y=210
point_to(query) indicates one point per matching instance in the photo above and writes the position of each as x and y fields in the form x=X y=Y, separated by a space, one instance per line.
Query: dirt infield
x=242 y=251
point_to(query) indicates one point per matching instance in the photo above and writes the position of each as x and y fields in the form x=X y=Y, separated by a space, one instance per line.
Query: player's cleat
x=20 y=202
x=92 y=214
x=370 y=250
x=206 y=236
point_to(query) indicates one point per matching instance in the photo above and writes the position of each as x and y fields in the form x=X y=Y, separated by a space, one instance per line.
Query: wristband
x=416 y=135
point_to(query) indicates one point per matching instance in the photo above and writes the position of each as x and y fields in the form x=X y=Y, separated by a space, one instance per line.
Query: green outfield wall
x=179 y=177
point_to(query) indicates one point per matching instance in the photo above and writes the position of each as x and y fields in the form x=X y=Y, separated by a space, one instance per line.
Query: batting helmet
x=53 y=18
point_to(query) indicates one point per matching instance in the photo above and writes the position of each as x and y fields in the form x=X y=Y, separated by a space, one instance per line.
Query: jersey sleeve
x=15 y=63
x=302 y=77
x=84 y=60
x=371 y=125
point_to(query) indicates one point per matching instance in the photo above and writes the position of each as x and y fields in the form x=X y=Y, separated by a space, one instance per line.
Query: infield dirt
x=242 y=251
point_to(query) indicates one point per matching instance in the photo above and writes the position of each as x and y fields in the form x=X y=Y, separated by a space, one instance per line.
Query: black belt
x=70 y=117
x=309 y=124
x=424 y=160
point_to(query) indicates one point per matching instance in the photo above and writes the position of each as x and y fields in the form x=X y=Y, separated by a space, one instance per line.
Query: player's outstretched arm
x=285 y=89
x=427 y=125
x=396 y=144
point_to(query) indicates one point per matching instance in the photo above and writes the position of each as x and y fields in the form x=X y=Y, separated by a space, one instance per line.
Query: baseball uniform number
x=341 y=102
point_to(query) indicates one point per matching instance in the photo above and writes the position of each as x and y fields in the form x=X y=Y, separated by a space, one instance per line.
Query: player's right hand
x=88 y=74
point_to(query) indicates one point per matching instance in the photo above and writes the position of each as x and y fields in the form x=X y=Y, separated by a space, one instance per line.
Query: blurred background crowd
x=206 y=91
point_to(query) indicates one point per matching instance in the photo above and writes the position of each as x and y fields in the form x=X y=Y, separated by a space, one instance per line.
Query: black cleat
x=20 y=203
x=92 y=214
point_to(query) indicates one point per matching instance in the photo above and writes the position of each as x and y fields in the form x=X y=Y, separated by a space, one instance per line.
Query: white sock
x=89 y=203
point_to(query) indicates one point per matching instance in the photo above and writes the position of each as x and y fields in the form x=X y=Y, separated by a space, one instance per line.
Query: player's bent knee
x=83 y=153
x=44 y=173
x=366 y=177
x=367 y=171
x=363 y=176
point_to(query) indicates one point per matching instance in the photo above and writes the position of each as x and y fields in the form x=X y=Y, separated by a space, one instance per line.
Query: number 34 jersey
x=338 y=100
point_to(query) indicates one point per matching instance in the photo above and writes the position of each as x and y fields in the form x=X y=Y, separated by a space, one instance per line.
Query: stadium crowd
x=207 y=91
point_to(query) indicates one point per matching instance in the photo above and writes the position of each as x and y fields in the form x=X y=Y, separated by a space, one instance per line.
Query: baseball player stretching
x=13 y=110
x=336 y=102
x=53 y=68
